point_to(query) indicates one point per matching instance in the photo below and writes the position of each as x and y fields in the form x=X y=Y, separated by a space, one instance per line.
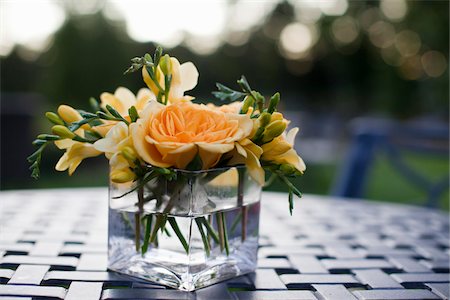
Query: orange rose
x=171 y=136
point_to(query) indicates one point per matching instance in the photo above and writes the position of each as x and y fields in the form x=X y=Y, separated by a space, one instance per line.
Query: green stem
x=244 y=223
x=210 y=230
x=177 y=231
x=220 y=229
x=225 y=235
x=148 y=227
x=204 y=238
x=159 y=223
x=137 y=219
x=235 y=222
x=126 y=219
x=240 y=200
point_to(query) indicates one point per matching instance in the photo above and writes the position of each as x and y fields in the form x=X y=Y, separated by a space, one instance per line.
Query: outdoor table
x=53 y=245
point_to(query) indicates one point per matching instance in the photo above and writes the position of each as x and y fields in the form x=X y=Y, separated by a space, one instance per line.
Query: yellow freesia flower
x=113 y=144
x=248 y=153
x=171 y=136
x=184 y=78
x=74 y=155
x=281 y=151
x=121 y=101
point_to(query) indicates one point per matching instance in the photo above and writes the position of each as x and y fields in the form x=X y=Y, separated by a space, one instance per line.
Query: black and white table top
x=53 y=246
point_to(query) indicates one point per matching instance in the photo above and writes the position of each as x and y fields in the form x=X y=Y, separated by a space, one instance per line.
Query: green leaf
x=243 y=83
x=39 y=142
x=196 y=164
x=210 y=230
x=148 y=227
x=149 y=176
x=35 y=161
x=291 y=201
x=177 y=231
x=225 y=93
x=48 y=137
x=148 y=58
x=204 y=237
x=74 y=126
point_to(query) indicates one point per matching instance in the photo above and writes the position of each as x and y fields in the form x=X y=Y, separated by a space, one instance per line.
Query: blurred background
x=339 y=65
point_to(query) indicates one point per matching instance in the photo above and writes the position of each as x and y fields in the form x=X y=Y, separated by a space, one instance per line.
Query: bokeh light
x=411 y=69
x=344 y=30
x=394 y=10
x=382 y=34
x=434 y=63
x=19 y=20
x=296 y=39
x=407 y=43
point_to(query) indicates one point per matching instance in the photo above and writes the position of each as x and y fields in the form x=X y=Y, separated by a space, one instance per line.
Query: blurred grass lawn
x=384 y=182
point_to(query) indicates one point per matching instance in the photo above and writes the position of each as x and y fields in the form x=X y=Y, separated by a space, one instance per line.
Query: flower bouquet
x=185 y=178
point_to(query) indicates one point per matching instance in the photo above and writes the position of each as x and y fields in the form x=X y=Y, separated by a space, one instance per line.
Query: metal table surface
x=53 y=246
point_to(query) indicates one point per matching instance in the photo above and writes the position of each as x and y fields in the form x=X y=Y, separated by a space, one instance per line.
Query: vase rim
x=221 y=169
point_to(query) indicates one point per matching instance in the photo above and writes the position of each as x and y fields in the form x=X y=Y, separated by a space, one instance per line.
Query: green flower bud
x=287 y=169
x=264 y=119
x=274 y=102
x=63 y=132
x=48 y=137
x=273 y=130
x=54 y=118
x=165 y=64
x=248 y=102
x=129 y=153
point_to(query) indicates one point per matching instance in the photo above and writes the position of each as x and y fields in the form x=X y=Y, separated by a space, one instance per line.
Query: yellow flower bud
x=129 y=153
x=165 y=64
x=68 y=114
x=264 y=119
x=277 y=116
x=63 y=132
x=273 y=130
x=121 y=176
x=54 y=118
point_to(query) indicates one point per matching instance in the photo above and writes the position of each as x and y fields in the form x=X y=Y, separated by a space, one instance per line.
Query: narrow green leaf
x=243 y=83
x=204 y=238
x=116 y=114
x=225 y=93
x=148 y=227
x=210 y=230
x=225 y=234
x=48 y=137
x=177 y=231
x=235 y=222
x=291 y=201
x=148 y=58
x=195 y=164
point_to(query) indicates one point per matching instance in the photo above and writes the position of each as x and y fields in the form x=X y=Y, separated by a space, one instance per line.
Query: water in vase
x=185 y=252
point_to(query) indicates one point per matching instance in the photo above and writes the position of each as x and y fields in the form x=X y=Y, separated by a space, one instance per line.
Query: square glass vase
x=186 y=233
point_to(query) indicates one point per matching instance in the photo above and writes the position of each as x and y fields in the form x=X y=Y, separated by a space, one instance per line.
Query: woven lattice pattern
x=53 y=246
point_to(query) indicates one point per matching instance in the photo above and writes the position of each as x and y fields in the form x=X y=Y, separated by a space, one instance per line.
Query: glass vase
x=186 y=232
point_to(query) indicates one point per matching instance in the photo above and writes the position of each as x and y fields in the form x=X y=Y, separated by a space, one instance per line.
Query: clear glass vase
x=186 y=233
